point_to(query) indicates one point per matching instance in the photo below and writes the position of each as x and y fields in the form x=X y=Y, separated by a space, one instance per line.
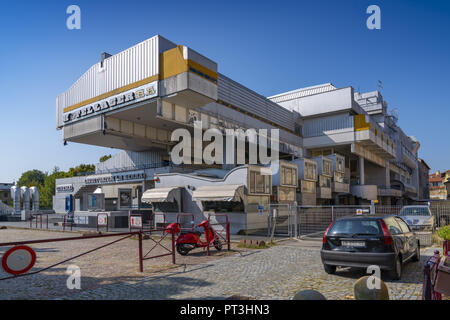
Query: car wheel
x=417 y=254
x=396 y=274
x=329 y=269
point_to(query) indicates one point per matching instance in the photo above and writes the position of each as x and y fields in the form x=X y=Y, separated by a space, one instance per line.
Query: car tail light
x=386 y=233
x=325 y=234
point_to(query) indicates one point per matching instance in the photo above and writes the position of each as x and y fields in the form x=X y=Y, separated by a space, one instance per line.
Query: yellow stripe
x=113 y=92
x=202 y=69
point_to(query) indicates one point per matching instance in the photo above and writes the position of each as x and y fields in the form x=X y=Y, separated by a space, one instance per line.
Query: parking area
x=112 y=273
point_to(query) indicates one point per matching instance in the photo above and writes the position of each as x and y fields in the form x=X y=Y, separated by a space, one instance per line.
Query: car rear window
x=415 y=211
x=352 y=226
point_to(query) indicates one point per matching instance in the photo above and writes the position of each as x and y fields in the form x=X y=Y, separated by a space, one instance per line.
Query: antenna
x=380 y=85
x=394 y=114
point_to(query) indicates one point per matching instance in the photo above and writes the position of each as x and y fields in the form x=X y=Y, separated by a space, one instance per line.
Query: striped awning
x=230 y=192
x=160 y=195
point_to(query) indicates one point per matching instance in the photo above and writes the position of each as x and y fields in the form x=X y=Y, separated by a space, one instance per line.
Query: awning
x=160 y=195
x=230 y=192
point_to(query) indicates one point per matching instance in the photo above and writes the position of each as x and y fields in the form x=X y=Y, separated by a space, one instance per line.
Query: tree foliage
x=105 y=157
x=32 y=178
x=46 y=181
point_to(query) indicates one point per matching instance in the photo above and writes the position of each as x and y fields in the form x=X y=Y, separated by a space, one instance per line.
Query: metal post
x=207 y=240
x=173 y=248
x=141 y=267
x=228 y=235
x=295 y=220
x=40 y=220
x=31 y=221
x=47 y=221
x=332 y=213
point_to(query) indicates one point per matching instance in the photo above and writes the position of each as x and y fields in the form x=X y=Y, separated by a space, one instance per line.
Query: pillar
x=361 y=171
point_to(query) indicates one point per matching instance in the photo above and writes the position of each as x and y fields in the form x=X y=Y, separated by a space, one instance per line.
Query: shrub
x=444 y=232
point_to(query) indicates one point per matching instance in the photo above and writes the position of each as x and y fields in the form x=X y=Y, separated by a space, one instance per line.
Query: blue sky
x=269 y=46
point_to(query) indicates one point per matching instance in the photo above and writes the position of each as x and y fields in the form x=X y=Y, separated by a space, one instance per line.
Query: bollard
x=363 y=292
x=309 y=295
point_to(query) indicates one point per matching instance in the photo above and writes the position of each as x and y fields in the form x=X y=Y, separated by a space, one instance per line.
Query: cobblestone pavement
x=109 y=265
x=275 y=273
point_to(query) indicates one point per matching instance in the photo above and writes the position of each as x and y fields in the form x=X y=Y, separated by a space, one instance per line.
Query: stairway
x=5 y=209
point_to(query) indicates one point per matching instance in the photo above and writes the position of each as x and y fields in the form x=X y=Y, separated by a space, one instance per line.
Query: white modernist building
x=336 y=146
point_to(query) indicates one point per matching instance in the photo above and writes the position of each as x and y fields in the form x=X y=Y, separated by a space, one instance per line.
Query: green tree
x=82 y=168
x=46 y=181
x=32 y=178
x=105 y=157
x=47 y=191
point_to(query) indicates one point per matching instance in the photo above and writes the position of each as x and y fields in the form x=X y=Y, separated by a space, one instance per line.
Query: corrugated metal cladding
x=317 y=127
x=237 y=95
x=133 y=64
x=302 y=92
x=129 y=159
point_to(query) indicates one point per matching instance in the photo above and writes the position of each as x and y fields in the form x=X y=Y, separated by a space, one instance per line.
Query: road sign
x=260 y=210
x=359 y=211
x=18 y=260
x=102 y=219
x=136 y=222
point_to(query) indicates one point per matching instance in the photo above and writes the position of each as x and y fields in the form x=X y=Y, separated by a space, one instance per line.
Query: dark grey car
x=361 y=241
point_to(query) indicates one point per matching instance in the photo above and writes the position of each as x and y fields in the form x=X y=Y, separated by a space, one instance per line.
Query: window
x=326 y=167
x=325 y=181
x=352 y=226
x=252 y=181
x=340 y=166
x=268 y=183
x=393 y=226
x=288 y=176
x=288 y=179
x=403 y=225
x=310 y=171
x=259 y=183
x=260 y=187
x=415 y=211
x=338 y=177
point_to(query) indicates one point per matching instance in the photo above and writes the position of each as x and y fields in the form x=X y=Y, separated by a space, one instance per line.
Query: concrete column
x=388 y=176
x=361 y=171
x=159 y=107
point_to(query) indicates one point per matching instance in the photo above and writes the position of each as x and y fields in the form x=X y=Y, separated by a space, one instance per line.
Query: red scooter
x=189 y=240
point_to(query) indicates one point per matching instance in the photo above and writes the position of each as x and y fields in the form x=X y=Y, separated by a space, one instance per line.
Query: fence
x=5 y=209
x=219 y=222
x=281 y=220
x=288 y=220
x=37 y=217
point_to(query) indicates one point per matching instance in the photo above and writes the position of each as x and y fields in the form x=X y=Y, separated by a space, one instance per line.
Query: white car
x=418 y=218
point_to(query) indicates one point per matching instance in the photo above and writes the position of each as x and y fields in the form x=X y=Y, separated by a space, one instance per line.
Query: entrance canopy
x=160 y=194
x=231 y=192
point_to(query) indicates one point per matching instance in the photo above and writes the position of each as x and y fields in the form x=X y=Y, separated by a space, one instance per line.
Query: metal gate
x=281 y=220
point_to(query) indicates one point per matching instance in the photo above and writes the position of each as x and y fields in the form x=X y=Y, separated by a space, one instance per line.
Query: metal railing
x=289 y=220
x=5 y=209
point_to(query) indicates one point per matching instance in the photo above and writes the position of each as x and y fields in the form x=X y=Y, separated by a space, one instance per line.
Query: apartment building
x=336 y=146
x=438 y=188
